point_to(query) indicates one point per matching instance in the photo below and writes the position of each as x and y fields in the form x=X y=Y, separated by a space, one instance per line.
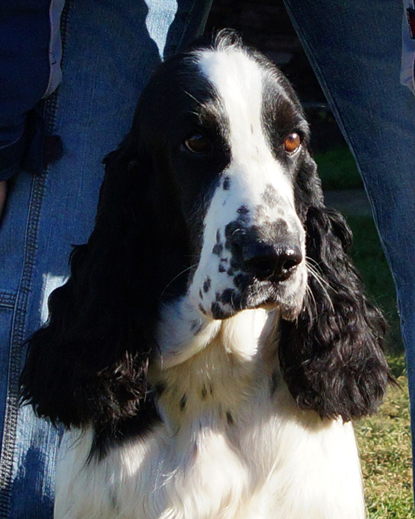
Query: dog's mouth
x=250 y=293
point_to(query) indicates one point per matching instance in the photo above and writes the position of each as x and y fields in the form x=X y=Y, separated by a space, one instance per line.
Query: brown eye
x=197 y=143
x=292 y=142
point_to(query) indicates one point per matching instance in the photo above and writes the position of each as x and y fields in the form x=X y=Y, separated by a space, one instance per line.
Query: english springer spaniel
x=213 y=344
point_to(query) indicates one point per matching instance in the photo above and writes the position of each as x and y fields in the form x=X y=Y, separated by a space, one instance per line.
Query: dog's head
x=212 y=195
x=229 y=141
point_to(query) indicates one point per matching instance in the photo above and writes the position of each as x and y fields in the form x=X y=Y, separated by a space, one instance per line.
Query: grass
x=384 y=439
x=337 y=169
x=384 y=443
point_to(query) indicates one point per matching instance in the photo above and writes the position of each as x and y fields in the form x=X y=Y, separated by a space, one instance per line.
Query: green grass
x=384 y=439
x=337 y=169
x=385 y=449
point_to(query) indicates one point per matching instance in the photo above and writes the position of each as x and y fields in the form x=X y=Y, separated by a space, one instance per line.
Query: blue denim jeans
x=355 y=49
x=110 y=49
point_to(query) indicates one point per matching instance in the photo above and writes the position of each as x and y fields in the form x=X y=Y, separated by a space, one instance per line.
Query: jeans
x=355 y=49
x=110 y=49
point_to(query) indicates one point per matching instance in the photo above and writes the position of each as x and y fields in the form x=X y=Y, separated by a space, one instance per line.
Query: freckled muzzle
x=253 y=254
x=264 y=267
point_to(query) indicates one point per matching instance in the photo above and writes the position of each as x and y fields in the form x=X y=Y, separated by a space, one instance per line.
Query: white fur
x=272 y=461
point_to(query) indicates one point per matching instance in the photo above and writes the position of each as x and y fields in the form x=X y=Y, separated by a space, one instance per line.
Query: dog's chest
x=215 y=411
x=216 y=389
x=231 y=445
x=228 y=373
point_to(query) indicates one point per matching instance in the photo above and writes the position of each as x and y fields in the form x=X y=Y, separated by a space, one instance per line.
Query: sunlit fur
x=213 y=343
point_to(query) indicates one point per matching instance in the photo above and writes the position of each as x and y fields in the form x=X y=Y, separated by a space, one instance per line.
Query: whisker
x=175 y=277
x=314 y=268
x=311 y=301
x=200 y=103
x=320 y=280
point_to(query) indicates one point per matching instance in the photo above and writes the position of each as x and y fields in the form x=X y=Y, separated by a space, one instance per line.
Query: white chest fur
x=232 y=445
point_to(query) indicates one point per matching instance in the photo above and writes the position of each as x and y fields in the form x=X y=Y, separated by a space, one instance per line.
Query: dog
x=213 y=343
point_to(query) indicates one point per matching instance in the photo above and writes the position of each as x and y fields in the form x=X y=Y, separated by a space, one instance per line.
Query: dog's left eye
x=197 y=143
x=292 y=142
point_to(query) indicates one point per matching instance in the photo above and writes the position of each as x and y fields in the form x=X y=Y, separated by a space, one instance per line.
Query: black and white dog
x=213 y=344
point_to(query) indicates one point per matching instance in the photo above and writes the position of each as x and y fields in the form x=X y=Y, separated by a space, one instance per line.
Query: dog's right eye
x=197 y=143
x=292 y=143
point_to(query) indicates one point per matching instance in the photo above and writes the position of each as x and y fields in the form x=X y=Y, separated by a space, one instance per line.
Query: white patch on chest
x=237 y=448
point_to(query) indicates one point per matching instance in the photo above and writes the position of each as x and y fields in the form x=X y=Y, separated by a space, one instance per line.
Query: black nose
x=274 y=263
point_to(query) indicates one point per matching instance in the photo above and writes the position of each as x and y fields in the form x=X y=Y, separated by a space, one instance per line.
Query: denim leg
x=355 y=49
x=111 y=47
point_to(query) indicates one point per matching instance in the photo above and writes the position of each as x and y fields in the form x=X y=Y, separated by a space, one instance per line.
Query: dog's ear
x=88 y=364
x=332 y=355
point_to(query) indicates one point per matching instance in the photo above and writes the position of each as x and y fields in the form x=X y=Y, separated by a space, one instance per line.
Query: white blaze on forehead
x=239 y=81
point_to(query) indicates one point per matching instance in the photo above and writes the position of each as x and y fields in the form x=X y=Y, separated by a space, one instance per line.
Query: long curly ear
x=332 y=357
x=88 y=364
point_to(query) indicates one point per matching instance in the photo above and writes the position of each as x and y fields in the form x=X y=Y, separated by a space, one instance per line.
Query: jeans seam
x=18 y=330
x=18 y=324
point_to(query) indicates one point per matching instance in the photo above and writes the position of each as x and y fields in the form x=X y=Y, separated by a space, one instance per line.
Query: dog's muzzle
x=268 y=253
x=265 y=270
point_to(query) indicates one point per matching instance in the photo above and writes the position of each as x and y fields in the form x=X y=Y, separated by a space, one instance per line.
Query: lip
x=258 y=294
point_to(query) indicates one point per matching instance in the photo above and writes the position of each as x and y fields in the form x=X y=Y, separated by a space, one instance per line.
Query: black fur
x=332 y=356
x=89 y=363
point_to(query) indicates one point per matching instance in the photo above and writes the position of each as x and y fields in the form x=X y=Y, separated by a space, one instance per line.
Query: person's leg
x=3 y=194
x=355 y=49
x=110 y=50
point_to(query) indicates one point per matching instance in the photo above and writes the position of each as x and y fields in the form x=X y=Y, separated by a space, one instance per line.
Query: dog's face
x=253 y=245
x=232 y=141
